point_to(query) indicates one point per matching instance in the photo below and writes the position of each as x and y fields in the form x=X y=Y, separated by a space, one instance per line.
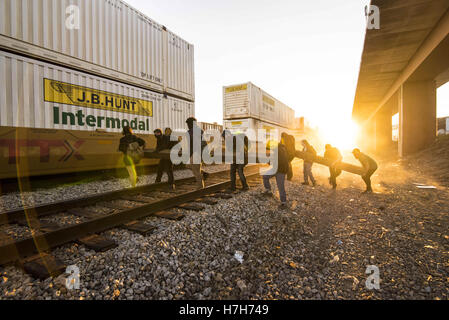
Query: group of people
x=130 y=143
x=285 y=149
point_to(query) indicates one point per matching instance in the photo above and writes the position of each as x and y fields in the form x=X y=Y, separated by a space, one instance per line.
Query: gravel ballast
x=317 y=248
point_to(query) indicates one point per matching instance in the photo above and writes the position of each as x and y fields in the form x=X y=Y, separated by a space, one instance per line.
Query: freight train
x=67 y=87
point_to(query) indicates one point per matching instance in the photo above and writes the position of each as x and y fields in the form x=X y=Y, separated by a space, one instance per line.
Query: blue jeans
x=280 y=181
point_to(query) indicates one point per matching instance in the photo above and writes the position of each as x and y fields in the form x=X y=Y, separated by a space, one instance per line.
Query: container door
x=236 y=102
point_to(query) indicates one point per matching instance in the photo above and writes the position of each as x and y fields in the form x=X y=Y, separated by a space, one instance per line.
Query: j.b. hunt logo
x=76 y=95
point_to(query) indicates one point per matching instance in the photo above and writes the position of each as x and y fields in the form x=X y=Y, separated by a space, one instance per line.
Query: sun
x=340 y=134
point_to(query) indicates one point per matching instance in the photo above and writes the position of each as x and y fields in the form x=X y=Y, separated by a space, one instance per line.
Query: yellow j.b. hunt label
x=70 y=94
x=268 y=100
x=237 y=88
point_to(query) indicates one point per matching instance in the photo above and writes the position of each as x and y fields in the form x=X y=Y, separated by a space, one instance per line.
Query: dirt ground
x=401 y=229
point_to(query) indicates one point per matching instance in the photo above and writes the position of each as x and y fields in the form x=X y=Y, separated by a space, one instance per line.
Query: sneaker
x=305 y=183
x=267 y=193
x=367 y=191
x=246 y=188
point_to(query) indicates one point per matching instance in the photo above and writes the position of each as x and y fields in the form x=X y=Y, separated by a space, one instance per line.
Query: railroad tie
x=97 y=243
x=222 y=195
x=208 y=201
x=191 y=207
x=139 y=227
x=4 y=238
x=169 y=215
x=42 y=266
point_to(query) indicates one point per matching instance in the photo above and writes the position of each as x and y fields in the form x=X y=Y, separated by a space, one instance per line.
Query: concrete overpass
x=403 y=63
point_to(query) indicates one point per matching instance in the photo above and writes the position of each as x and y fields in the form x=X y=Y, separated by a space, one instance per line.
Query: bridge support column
x=384 y=125
x=417 y=116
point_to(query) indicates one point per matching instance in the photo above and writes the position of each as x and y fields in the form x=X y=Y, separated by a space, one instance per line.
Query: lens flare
x=341 y=134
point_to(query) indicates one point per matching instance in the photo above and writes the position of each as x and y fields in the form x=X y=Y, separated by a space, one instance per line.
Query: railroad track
x=123 y=209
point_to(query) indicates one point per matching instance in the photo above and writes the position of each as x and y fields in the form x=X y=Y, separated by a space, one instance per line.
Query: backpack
x=135 y=152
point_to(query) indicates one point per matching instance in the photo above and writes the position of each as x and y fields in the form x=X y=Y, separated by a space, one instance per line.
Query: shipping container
x=55 y=120
x=251 y=127
x=107 y=38
x=35 y=94
x=210 y=126
x=249 y=101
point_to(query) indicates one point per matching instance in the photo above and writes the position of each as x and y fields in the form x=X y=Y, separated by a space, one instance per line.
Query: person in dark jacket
x=289 y=142
x=196 y=168
x=231 y=143
x=369 y=167
x=282 y=170
x=165 y=165
x=129 y=138
x=310 y=155
x=334 y=157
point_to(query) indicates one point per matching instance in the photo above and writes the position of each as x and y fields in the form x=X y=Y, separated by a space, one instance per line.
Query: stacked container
x=246 y=106
x=108 y=38
x=73 y=73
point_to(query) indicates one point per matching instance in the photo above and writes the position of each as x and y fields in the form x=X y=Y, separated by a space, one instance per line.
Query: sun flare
x=341 y=134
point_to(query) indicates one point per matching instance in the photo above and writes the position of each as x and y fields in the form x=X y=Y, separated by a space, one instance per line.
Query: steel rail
x=39 y=243
x=13 y=216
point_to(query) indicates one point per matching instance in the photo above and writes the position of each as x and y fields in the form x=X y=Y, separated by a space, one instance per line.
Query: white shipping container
x=250 y=127
x=179 y=73
x=35 y=94
x=205 y=126
x=106 y=37
x=249 y=101
x=176 y=112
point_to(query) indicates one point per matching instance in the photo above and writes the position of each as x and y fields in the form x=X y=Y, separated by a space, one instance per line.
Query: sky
x=304 y=53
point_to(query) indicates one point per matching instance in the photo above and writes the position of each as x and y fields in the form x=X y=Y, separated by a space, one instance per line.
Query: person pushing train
x=239 y=157
x=196 y=168
x=369 y=167
x=132 y=148
x=334 y=157
x=309 y=156
x=280 y=174
x=165 y=165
